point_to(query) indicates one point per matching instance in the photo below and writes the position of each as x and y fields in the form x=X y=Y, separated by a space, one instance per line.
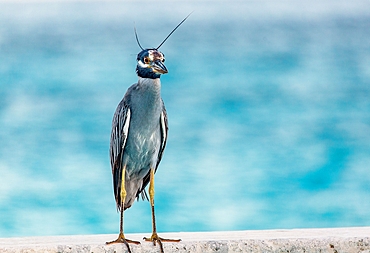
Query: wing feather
x=120 y=127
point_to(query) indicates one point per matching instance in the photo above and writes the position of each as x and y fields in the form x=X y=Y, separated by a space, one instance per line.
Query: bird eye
x=146 y=60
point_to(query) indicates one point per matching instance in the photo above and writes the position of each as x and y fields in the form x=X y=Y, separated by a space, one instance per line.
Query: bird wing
x=163 y=122
x=164 y=131
x=120 y=126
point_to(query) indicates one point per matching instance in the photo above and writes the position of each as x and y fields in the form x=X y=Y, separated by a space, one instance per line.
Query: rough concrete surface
x=333 y=240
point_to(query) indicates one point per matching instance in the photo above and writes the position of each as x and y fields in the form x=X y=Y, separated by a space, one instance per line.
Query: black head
x=150 y=61
x=150 y=64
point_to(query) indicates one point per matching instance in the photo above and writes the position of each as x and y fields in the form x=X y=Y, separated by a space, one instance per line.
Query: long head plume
x=137 y=39
x=173 y=30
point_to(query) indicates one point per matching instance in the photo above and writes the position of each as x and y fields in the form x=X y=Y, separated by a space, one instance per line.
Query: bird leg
x=121 y=237
x=155 y=238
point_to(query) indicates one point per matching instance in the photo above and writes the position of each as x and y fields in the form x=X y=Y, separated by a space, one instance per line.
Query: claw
x=155 y=238
x=121 y=239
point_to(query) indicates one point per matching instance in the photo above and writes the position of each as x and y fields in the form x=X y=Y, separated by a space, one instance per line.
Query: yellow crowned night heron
x=138 y=138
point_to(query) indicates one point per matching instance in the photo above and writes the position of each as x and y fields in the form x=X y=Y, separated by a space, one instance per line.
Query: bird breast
x=144 y=135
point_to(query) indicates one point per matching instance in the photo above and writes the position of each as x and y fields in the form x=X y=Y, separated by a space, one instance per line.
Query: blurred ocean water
x=268 y=104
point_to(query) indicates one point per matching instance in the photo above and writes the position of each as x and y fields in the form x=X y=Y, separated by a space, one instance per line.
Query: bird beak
x=159 y=67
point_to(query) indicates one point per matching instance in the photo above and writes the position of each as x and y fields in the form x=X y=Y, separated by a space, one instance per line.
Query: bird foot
x=155 y=238
x=121 y=239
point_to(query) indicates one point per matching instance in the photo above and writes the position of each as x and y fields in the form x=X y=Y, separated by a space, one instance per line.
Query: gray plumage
x=138 y=138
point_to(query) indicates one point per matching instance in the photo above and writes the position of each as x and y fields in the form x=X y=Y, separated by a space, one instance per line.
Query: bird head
x=150 y=64
x=150 y=61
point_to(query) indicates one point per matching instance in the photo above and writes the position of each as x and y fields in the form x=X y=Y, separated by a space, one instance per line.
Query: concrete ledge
x=333 y=240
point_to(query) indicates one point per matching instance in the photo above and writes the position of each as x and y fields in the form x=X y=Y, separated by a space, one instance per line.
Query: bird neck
x=150 y=84
x=150 y=88
x=146 y=101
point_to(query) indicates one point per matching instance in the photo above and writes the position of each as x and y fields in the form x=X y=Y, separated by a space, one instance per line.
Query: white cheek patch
x=143 y=65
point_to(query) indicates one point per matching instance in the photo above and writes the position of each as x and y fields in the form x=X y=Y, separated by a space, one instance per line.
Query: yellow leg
x=155 y=238
x=121 y=237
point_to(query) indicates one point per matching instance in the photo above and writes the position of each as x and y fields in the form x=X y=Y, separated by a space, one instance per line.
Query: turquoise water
x=268 y=105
